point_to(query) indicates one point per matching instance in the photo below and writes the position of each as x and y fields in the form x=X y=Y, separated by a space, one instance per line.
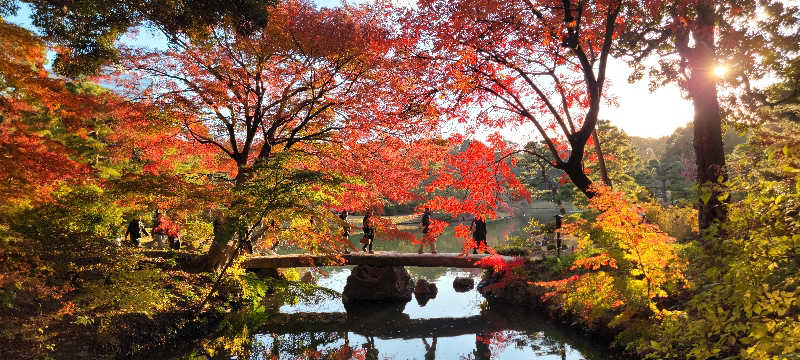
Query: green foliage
x=80 y=209
x=621 y=159
x=89 y=29
x=196 y=232
x=748 y=303
x=136 y=291
x=622 y=163
x=678 y=222
x=539 y=175
x=270 y=293
x=263 y=297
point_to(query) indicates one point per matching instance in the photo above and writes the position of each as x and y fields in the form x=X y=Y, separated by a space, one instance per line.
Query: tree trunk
x=600 y=159
x=710 y=155
x=579 y=178
x=224 y=245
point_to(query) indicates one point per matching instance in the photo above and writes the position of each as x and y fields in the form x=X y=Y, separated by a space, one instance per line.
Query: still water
x=453 y=325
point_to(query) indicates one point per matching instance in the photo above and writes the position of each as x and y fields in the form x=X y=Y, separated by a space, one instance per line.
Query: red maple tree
x=505 y=63
x=322 y=88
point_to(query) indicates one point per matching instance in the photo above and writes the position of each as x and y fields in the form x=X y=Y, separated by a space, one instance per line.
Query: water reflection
x=450 y=326
x=453 y=325
x=528 y=338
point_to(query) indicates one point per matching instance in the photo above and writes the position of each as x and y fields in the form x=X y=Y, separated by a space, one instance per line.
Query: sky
x=639 y=112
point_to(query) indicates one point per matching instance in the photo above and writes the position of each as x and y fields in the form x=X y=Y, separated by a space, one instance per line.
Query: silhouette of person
x=135 y=230
x=478 y=228
x=371 y=350
x=425 y=223
x=369 y=231
x=561 y=209
x=430 y=350
x=159 y=230
x=346 y=231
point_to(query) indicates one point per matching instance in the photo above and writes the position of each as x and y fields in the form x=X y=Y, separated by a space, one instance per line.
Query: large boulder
x=378 y=284
x=463 y=284
x=424 y=291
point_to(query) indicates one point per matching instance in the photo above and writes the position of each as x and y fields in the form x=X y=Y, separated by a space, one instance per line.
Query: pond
x=453 y=325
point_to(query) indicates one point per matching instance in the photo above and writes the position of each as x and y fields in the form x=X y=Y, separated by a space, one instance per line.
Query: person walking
x=160 y=230
x=369 y=231
x=478 y=228
x=346 y=232
x=425 y=223
x=135 y=230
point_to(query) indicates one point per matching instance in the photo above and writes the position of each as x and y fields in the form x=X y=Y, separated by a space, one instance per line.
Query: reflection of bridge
x=394 y=327
x=380 y=258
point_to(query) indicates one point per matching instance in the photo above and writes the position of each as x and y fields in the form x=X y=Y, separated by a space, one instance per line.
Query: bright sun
x=720 y=70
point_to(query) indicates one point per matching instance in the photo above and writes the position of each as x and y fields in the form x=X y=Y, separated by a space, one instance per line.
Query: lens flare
x=720 y=70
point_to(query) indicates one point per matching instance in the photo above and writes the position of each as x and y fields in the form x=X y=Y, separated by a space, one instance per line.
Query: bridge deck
x=380 y=258
x=397 y=327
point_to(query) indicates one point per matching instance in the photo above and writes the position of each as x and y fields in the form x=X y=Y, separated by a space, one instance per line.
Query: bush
x=678 y=222
x=622 y=266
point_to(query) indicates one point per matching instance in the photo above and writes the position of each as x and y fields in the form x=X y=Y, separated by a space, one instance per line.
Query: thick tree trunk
x=224 y=243
x=226 y=235
x=710 y=155
x=579 y=178
x=600 y=159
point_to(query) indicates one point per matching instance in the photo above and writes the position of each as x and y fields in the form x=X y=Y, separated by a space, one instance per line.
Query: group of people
x=477 y=227
x=163 y=228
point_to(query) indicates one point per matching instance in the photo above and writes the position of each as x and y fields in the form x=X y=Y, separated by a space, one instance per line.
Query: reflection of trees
x=494 y=330
x=540 y=343
x=301 y=345
x=428 y=273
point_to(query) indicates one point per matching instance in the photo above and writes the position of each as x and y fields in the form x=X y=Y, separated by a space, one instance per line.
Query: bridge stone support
x=390 y=284
x=379 y=277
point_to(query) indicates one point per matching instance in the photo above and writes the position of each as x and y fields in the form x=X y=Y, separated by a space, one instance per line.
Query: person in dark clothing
x=369 y=231
x=174 y=242
x=425 y=223
x=135 y=230
x=370 y=351
x=478 y=228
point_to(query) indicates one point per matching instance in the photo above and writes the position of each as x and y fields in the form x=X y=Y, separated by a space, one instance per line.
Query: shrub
x=678 y=222
x=622 y=265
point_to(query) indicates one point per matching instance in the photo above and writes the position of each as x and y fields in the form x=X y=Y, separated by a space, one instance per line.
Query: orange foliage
x=623 y=263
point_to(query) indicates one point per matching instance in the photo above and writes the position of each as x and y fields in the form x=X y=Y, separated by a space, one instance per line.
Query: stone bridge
x=379 y=258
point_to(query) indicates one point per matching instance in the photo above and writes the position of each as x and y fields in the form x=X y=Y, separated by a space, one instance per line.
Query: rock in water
x=308 y=278
x=463 y=284
x=424 y=291
x=378 y=283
